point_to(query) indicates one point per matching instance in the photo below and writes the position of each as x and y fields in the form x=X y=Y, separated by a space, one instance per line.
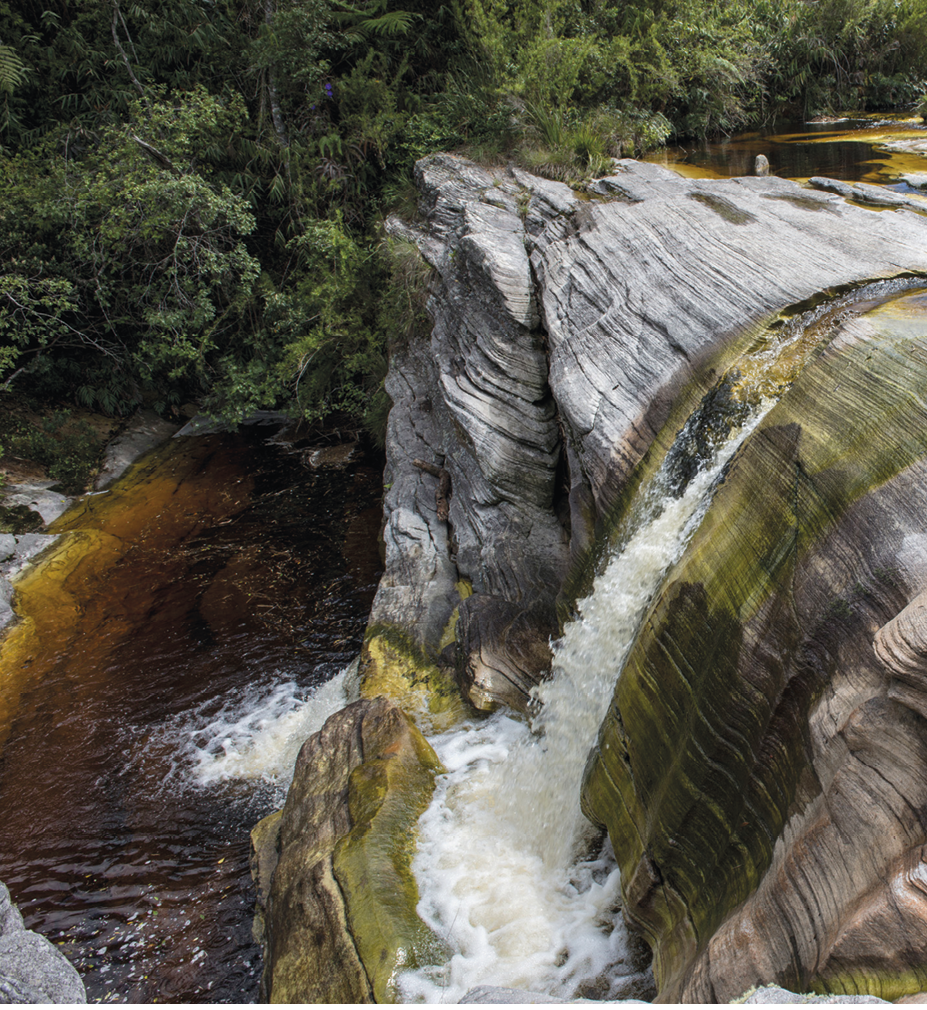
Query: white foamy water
x=260 y=739
x=503 y=866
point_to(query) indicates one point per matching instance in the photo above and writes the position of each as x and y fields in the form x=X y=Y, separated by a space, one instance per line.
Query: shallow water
x=152 y=694
x=853 y=150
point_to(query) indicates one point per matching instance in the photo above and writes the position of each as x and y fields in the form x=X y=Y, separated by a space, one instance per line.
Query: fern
x=392 y=23
x=12 y=70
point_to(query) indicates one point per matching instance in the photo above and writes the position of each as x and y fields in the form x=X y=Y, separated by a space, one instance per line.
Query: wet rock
x=15 y=552
x=504 y=651
x=392 y=665
x=571 y=337
x=32 y=969
x=761 y=165
x=901 y=647
x=39 y=498
x=762 y=768
x=873 y=196
x=338 y=919
x=144 y=432
x=775 y=994
x=497 y=994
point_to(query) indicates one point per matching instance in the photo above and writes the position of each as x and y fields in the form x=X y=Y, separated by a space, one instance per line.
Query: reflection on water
x=853 y=150
x=222 y=571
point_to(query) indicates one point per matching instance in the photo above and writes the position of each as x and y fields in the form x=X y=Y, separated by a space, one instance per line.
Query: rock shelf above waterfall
x=573 y=334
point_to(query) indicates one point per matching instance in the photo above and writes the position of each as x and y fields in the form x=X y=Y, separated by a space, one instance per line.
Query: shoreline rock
x=32 y=969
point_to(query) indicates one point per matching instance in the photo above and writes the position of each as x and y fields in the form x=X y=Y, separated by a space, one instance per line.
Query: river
x=161 y=670
x=155 y=694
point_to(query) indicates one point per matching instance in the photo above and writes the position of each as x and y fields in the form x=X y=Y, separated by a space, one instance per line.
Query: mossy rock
x=705 y=756
x=386 y=797
x=340 y=921
x=19 y=519
x=393 y=666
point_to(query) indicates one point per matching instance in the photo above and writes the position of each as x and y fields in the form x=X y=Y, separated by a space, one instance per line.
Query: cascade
x=507 y=866
x=504 y=864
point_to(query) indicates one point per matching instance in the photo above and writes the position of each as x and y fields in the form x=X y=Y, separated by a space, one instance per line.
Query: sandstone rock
x=339 y=920
x=32 y=969
x=874 y=196
x=144 y=432
x=504 y=651
x=761 y=771
x=497 y=994
x=38 y=496
x=775 y=994
x=901 y=646
x=572 y=337
x=392 y=665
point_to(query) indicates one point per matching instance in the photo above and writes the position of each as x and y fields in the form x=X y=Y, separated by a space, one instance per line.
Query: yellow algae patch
x=395 y=667
x=49 y=604
x=96 y=585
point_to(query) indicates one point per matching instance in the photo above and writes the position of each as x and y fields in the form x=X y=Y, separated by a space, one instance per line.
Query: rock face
x=762 y=769
x=32 y=969
x=336 y=895
x=573 y=333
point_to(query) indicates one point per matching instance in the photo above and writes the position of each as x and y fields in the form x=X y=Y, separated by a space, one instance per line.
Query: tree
x=124 y=264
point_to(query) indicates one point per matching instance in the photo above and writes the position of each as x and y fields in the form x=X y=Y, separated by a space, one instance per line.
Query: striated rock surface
x=336 y=895
x=762 y=769
x=573 y=333
x=32 y=969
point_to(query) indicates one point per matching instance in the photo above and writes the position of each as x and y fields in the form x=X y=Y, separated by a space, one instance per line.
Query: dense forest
x=192 y=192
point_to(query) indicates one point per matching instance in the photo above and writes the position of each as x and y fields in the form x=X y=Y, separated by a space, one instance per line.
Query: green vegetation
x=192 y=191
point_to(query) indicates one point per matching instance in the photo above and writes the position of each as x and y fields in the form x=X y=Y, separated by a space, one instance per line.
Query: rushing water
x=155 y=695
x=504 y=862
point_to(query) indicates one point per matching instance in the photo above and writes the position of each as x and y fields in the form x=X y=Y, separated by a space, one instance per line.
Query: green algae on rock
x=394 y=666
x=740 y=772
x=339 y=920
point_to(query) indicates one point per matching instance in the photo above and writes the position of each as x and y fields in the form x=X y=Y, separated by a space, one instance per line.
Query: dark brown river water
x=187 y=614
x=855 y=149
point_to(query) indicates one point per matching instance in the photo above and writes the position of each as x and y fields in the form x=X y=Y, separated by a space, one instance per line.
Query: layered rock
x=32 y=969
x=573 y=333
x=337 y=899
x=762 y=769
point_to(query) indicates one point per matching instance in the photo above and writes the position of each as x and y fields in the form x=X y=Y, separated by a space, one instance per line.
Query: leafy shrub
x=68 y=449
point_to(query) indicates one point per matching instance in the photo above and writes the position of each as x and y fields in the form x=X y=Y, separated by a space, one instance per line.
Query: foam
x=509 y=871
x=259 y=739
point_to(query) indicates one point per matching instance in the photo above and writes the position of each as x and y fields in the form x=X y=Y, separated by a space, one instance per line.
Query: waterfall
x=503 y=865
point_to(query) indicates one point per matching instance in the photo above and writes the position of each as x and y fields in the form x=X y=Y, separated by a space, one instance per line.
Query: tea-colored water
x=220 y=569
x=854 y=150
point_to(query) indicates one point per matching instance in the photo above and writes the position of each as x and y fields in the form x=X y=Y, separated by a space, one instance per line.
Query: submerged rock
x=32 y=969
x=336 y=894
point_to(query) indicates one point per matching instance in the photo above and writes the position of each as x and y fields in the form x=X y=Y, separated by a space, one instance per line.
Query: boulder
x=32 y=969
x=336 y=893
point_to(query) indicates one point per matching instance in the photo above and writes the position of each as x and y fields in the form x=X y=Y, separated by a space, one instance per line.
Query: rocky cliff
x=573 y=333
x=761 y=769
